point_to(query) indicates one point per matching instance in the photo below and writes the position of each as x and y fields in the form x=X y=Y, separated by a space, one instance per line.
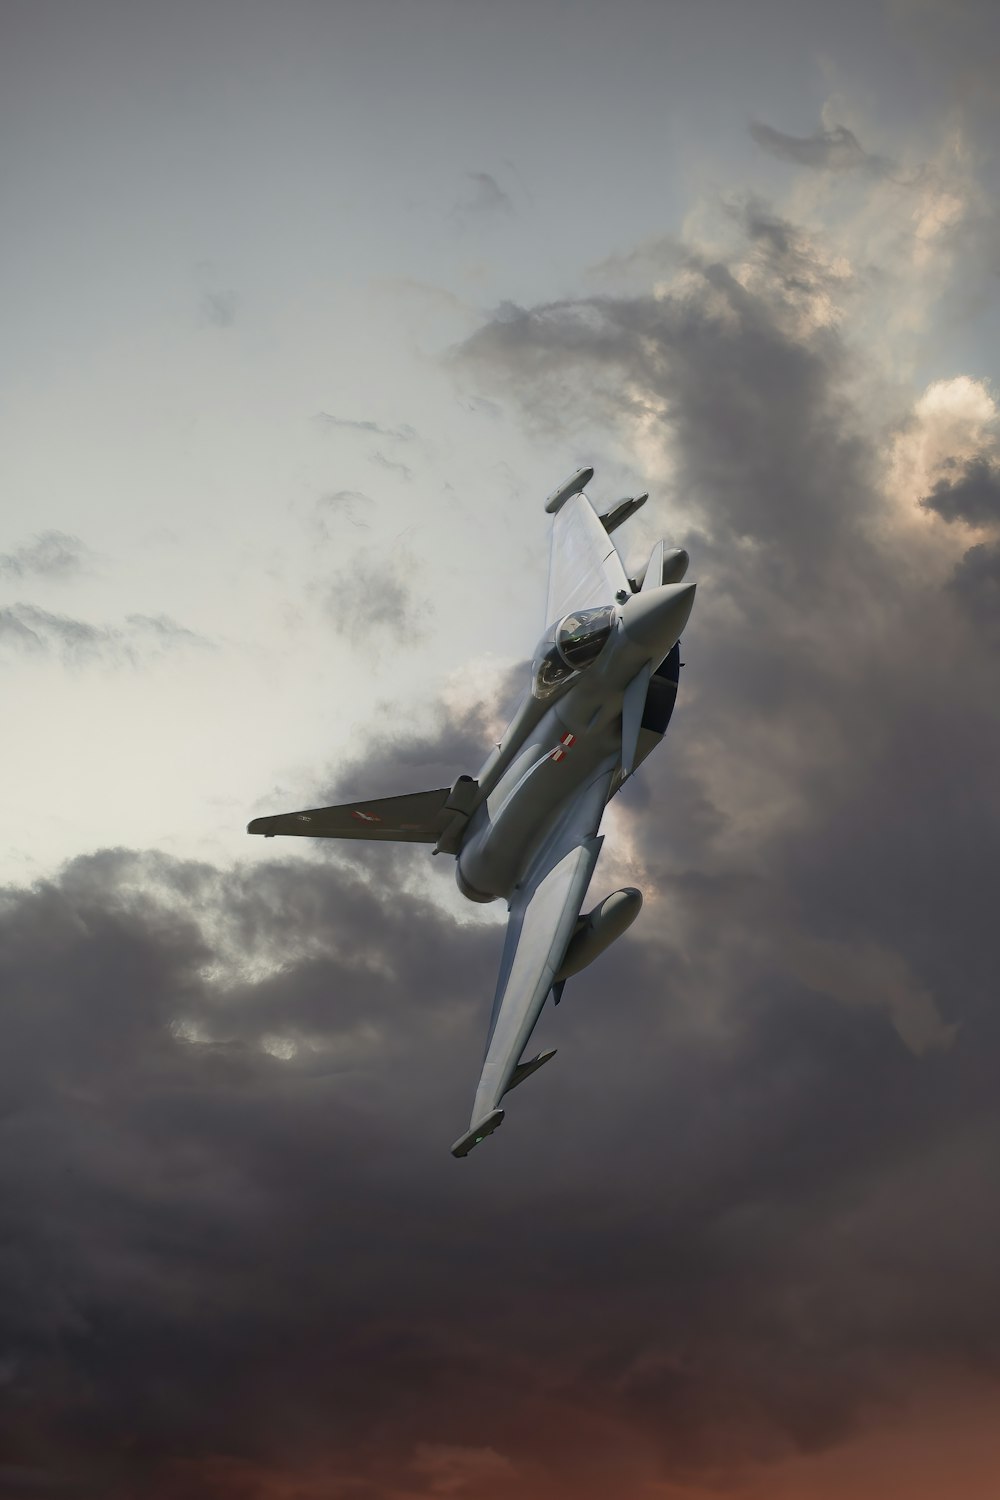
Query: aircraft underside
x=526 y=829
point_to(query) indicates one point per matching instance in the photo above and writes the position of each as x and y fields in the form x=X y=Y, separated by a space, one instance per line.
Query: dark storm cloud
x=17 y=1480
x=26 y=628
x=770 y=467
x=836 y=150
x=263 y=1269
x=121 y=1122
x=802 y=623
x=976 y=583
x=821 y=837
x=973 y=495
x=755 y=1192
x=51 y=554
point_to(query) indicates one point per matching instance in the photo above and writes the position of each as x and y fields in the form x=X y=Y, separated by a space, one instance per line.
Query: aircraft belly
x=526 y=830
x=547 y=924
x=514 y=822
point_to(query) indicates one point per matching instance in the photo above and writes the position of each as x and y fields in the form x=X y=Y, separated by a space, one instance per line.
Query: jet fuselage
x=555 y=747
x=527 y=829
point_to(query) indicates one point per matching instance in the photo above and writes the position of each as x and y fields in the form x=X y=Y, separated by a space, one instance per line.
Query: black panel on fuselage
x=662 y=693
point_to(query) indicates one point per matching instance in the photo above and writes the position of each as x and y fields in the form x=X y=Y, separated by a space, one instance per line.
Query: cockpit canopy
x=572 y=644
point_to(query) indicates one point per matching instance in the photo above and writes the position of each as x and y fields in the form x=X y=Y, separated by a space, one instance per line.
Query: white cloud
x=952 y=422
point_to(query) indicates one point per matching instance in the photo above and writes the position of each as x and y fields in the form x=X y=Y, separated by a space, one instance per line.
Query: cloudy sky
x=306 y=307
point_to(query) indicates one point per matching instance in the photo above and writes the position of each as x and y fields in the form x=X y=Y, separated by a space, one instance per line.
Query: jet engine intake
x=458 y=809
x=599 y=929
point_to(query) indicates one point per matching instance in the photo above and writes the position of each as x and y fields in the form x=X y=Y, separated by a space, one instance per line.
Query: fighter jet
x=526 y=829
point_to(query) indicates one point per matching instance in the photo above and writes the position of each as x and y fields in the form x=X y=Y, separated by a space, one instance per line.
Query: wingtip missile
x=478 y=1133
x=573 y=486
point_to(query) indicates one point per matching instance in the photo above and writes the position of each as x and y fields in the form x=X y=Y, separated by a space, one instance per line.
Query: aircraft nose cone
x=654 y=619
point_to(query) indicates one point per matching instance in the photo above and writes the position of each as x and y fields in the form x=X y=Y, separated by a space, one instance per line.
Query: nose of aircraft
x=654 y=619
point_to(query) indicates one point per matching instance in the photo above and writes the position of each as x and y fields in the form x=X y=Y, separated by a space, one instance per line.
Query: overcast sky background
x=306 y=307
